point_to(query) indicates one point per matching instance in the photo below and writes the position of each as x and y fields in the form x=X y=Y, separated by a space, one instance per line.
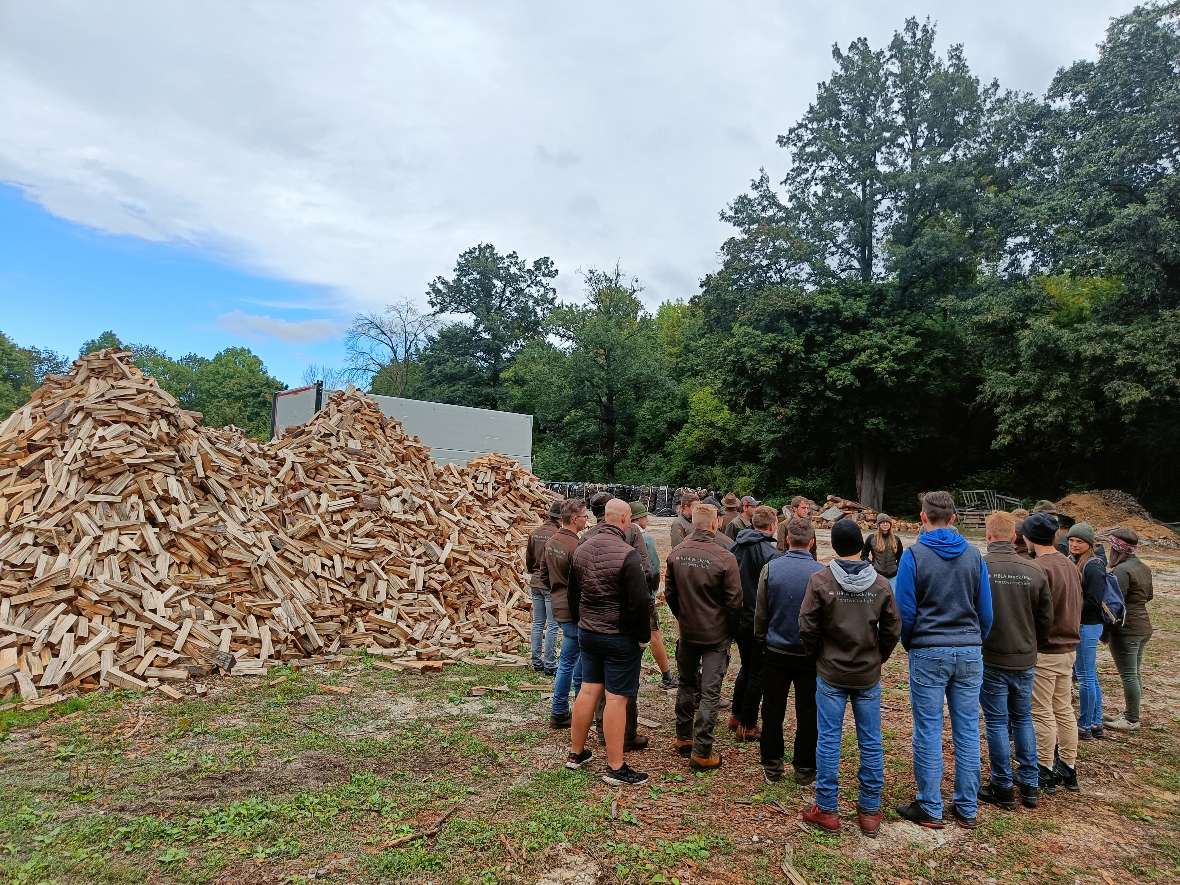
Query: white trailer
x=455 y=434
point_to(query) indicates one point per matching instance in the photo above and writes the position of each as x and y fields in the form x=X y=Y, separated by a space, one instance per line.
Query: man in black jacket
x=608 y=594
x=753 y=548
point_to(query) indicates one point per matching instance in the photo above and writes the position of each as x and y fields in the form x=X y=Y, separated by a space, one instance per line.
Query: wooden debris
x=139 y=548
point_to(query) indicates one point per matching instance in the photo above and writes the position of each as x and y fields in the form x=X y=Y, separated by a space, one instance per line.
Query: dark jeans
x=1127 y=652
x=1006 y=698
x=779 y=672
x=702 y=669
x=747 y=688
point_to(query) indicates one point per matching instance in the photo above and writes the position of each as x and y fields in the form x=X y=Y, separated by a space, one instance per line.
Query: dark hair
x=939 y=507
x=571 y=509
x=800 y=532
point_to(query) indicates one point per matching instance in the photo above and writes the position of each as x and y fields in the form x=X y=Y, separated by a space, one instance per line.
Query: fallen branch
x=429 y=833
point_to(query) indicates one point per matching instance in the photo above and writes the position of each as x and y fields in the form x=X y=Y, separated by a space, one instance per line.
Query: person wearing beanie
x=1129 y=639
x=1023 y=612
x=659 y=651
x=1063 y=523
x=850 y=623
x=555 y=573
x=945 y=598
x=1054 y=719
x=544 y=636
x=883 y=549
x=1093 y=572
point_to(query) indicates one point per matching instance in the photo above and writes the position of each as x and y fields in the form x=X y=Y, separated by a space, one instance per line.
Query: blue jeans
x=1086 y=668
x=955 y=674
x=830 y=702
x=568 y=669
x=544 y=625
x=1007 y=697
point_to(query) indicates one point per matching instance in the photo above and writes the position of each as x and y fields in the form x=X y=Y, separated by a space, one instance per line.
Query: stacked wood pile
x=139 y=549
x=866 y=517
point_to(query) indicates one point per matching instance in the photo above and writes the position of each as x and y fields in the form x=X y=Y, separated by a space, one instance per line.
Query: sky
x=197 y=176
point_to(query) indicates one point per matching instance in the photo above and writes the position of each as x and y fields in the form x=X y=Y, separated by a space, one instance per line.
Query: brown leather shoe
x=704 y=763
x=733 y=723
x=751 y=734
x=827 y=821
x=682 y=747
x=870 y=822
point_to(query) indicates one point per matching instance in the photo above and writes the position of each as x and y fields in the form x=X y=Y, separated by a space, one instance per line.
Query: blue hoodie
x=943 y=592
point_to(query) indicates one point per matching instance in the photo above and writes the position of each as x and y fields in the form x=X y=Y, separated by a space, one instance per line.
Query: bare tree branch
x=387 y=343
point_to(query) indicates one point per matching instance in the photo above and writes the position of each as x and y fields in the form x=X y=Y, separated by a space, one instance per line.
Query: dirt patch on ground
x=1106 y=508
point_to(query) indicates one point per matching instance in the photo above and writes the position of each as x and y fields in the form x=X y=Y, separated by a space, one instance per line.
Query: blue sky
x=202 y=175
x=62 y=283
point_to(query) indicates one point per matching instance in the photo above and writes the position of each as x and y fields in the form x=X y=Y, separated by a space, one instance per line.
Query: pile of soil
x=1107 y=508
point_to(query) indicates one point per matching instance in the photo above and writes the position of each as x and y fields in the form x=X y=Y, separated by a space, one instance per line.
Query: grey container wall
x=455 y=434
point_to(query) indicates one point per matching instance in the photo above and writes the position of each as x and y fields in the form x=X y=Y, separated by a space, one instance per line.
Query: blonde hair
x=1000 y=524
x=703 y=516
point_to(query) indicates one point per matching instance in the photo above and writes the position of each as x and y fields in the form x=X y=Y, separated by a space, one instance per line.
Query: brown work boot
x=748 y=735
x=733 y=723
x=870 y=821
x=682 y=746
x=827 y=821
x=704 y=763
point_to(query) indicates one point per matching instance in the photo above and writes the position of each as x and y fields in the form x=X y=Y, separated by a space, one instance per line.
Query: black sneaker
x=624 y=777
x=1067 y=777
x=804 y=776
x=1098 y=733
x=1029 y=795
x=668 y=680
x=1048 y=780
x=772 y=773
x=1004 y=797
x=577 y=760
x=914 y=813
x=560 y=720
x=551 y=673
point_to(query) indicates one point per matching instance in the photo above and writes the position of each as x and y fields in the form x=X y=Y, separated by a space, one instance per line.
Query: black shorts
x=609 y=659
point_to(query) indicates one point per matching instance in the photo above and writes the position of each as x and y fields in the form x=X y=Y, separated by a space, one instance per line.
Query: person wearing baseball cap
x=743 y=520
x=1129 y=639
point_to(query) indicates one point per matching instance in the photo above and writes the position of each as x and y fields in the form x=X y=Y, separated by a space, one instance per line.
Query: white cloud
x=361 y=146
x=255 y=326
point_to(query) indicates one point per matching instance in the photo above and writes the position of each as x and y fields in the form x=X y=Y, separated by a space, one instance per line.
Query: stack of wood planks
x=139 y=549
x=866 y=517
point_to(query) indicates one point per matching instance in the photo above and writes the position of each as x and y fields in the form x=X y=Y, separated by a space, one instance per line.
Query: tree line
x=946 y=282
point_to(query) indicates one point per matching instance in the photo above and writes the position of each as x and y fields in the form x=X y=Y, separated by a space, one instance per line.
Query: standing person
x=1128 y=642
x=1023 y=610
x=1093 y=572
x=850 y=623
x=1063 y=523
x=753 y=548
x=609 y=596
x=744 y=520
x=731 y=509
x=799 y=508
x=544 y=635
x=945 y=599
x=659 y=652
x=1021 y=548
x=555 y=570
x=786 y=663
x=1052 y=708
x=883 y=549
x=704 y=591
x=682 y=525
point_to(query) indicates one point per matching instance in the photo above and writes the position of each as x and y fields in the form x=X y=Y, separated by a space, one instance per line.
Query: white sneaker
x=1122 y=724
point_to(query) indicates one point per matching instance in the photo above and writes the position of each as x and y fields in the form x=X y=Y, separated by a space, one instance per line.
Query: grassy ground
x=413 y=778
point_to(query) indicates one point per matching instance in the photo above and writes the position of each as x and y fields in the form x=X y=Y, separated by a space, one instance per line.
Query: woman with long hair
x=1129 y=639
x=883 y=549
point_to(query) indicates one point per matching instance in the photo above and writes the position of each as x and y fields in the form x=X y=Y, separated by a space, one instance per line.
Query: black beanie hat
x=846 y=537
x=1039 y=528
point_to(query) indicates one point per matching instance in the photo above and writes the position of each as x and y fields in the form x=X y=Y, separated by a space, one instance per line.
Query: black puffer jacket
x=608 y=592
x=752 y=549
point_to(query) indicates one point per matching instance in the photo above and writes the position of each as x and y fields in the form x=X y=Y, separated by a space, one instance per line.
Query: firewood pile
x=139 y=549
x=866 y=517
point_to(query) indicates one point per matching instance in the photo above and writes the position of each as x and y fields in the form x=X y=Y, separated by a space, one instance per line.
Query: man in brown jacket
x=544 y=636
x=731 y=509
x=851 y=623
x=555 y=571
x=704 y=590
x=745 y=519
x=800 y=508
x=609 y=596
x=1054 y=719
x=681 y=526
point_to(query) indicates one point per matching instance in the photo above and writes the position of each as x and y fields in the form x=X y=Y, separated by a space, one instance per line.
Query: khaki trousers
x=1053 y=715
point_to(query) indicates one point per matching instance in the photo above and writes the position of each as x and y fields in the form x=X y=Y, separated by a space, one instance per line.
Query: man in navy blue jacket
x=944 y=595
x=781 y=588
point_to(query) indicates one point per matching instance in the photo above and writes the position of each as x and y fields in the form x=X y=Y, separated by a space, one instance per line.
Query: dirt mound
x=1105 y=509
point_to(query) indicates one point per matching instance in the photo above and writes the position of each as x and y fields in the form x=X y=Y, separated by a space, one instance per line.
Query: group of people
x=1007 y=632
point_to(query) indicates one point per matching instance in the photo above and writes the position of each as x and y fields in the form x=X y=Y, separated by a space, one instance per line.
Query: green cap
x=638 y=510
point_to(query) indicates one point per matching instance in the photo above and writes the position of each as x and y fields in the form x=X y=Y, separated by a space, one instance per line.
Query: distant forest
x=945 y=283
